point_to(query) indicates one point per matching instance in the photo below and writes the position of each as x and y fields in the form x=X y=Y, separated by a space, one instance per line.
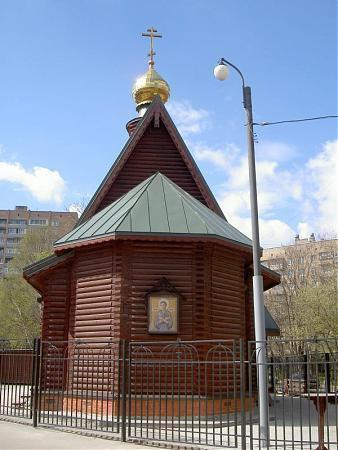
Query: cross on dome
x=150 y=84
x=151 y=34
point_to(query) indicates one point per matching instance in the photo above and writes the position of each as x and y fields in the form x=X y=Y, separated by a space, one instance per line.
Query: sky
x=66 y=72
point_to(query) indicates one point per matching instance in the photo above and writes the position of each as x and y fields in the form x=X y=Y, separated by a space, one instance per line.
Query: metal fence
x=16 y=378
x=200 y=393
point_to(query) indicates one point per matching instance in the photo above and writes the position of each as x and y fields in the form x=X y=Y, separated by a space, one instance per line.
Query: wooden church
x=153 y=217
x=152 y=256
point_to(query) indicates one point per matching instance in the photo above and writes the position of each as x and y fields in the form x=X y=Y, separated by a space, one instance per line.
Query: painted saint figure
x=163 y=320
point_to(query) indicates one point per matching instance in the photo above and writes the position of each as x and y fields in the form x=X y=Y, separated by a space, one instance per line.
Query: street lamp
x=221 y=72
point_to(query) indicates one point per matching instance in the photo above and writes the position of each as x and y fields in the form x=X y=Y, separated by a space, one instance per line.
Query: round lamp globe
x=221 y=72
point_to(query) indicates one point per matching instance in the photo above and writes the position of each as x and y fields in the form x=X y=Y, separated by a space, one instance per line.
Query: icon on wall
x=163 y=307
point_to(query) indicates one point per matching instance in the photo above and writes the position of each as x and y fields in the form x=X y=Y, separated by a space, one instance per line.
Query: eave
x=33 y=273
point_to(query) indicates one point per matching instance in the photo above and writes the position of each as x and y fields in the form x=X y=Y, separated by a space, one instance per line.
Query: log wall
x=104 y=292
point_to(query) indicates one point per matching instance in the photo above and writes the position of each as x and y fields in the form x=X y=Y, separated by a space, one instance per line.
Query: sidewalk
x=14 y=436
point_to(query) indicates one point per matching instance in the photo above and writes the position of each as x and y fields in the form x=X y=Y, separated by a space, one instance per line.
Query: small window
x=324 y=256
x=15 y=240
x=17 y=222
x=55 y=223
x=38 y=222
x=3 y=221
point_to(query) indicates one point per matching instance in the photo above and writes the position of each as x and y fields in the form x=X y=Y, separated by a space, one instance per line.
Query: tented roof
x=157 y=206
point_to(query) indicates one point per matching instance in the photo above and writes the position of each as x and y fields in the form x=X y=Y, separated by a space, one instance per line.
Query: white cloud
x=188 y=119
x=322 y=187
x=307 y=194
x=236 y=207
x=75 y=207
x=219 y=157
x=304 y=230
x=43 y=184
x=273 y=232
x=277 y=151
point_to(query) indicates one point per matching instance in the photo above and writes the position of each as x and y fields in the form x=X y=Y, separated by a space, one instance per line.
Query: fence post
x=123 y=391
x=327 y=373
x=306 y=373
x=36 y=371
x=242 y=388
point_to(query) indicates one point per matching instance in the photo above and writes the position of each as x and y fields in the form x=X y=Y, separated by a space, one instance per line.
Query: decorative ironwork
x=199 y=392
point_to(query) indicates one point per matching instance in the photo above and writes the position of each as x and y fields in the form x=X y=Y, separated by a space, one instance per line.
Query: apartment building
x=14 y=225
x=305 y=261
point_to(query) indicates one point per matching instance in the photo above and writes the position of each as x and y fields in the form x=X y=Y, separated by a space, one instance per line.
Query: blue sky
x=66 y=72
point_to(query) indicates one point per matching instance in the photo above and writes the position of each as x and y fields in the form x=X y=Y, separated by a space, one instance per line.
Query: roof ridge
x=203 y=208
x=165 y=201
x=143 y=185
x=174 y=187
x=150 y=179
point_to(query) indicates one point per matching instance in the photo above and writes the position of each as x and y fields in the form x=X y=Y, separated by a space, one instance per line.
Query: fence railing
x=16 y=378
x=201 y=392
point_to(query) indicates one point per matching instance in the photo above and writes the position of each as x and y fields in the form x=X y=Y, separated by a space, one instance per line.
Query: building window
x=38 y=222
x=3 y=221
x=17 y=222
x=55 y=223
x=324 y=256
x=327 y=269
x=15 y=240
x=276 y=264
x=301 y=275
x=11 y=251
x=16 y=230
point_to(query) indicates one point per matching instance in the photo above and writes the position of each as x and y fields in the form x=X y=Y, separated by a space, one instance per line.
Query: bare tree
x=305 y=303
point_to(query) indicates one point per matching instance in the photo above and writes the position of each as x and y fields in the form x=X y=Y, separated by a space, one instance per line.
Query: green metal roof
x=270 y=324
x=157 y=206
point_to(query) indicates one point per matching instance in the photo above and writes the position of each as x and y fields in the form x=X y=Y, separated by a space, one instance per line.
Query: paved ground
x=15 y=436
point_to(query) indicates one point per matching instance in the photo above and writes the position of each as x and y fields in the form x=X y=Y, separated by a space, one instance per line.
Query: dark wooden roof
x=155 y=114
x=271 y=327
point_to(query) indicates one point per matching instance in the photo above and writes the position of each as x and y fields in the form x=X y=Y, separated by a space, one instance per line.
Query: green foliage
x=19 y=309
x=305 y=304
x=316 y=310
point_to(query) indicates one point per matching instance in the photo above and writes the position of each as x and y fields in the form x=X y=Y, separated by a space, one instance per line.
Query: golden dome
x=147 y=86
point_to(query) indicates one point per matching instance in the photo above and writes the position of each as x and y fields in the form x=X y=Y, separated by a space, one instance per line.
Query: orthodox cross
x=151 y=34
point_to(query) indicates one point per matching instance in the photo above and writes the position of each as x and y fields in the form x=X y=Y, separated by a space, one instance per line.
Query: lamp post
x=221 y=72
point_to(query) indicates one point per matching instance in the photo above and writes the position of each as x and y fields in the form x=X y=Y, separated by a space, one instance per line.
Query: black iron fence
x=188 y=392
